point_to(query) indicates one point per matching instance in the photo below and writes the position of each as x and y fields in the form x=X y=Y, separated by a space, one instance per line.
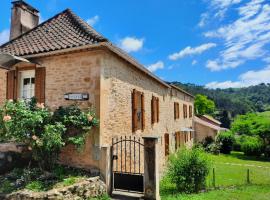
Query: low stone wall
x=13 y=155
x=91 y=187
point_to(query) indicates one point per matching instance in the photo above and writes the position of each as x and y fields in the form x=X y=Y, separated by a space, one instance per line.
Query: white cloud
x=131 y=44
x=92 y=21
x=245 y=38
x=204 y=18
x=191 y=51
x=246 y=79
x=4 y=36
x=154 y=67
x=194 y=62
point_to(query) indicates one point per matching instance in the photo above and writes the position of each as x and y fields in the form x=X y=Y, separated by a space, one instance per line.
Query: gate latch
x=115 y=157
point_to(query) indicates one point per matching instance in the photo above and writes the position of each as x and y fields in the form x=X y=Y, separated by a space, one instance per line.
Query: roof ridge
x=41 y=24
x=86 y=27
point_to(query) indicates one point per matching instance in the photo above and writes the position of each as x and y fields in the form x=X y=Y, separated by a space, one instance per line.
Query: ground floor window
x=27 y=84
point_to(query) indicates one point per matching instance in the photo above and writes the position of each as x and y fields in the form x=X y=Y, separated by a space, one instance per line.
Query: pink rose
x=6 y=118
x=34 y=137
x=40 y=105
x=90 y=118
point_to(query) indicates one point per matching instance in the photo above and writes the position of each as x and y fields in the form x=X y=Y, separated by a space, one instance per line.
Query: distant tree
x=203 y=105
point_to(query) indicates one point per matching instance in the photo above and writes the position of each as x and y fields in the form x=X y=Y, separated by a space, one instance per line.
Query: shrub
x=213 y=148
x=252 y=146
x=226 y=140
x=188 y=169
x=43 y=131
x=207 y=141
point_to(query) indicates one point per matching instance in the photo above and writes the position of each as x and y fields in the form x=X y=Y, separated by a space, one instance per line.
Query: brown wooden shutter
x=134 y=110
x=174 y=110
x=40 y=75
x=153 y=110
x=157 y=110
x=167 y=144
x=11 y=85
x=143 y=111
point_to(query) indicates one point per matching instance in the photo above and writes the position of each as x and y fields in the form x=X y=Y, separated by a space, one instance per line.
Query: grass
x=231 y=178
x=251 y=192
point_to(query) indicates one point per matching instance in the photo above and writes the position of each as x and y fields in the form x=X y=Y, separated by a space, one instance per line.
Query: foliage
x=226 y=140
x=38 y=180
x=203 y=105
x=188 y=169
x=43 y=131
x=213 y=148
x=207 y=141
x=233 y=101
x=256 y=125
x=36 y=186
x=6 y=187
x=252 y=146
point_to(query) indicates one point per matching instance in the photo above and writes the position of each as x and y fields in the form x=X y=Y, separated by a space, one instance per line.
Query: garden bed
x=60 y=183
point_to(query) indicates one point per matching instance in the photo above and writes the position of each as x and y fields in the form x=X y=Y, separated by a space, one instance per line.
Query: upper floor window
x=155 y=109
x=176 y=110
x=190 y=111
x=185 y=111
x=138 y=111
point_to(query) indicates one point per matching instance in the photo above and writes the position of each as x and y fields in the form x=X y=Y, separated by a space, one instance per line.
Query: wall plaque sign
x=77 y=96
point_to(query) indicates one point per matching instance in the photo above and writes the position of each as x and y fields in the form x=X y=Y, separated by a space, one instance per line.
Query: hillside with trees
x=233 y=101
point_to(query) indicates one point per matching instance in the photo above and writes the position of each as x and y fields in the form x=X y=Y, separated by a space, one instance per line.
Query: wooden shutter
x=11 y=85
x=153 y=110
x=167 y=144
x=134 y=110
x=143 y=111
x=157 y=110
x=40 y=75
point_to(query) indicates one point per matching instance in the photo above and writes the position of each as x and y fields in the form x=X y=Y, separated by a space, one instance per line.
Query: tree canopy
x=203 y=105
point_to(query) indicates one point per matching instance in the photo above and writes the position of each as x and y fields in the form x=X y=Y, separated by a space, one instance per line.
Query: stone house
x=64 y=58
x=206 y=126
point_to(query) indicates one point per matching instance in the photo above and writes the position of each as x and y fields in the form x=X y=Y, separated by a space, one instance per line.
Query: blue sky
x=217 y=43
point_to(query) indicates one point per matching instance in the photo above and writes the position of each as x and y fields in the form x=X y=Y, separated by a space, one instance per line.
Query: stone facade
x=91 y=187
x=118 y=79
x=110 y=80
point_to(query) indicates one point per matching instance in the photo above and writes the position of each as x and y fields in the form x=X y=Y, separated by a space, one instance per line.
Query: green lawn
x=230 y=172
x=258 y=192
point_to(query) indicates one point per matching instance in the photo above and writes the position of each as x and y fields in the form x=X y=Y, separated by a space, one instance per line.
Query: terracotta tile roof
x=65 y=30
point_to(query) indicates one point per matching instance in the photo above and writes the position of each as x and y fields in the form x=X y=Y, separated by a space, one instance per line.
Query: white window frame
x=23 y=75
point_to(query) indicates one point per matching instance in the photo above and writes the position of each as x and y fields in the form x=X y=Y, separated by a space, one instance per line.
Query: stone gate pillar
x=151 y=168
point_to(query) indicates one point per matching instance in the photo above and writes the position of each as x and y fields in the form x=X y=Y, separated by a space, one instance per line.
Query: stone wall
x=118 y=79
x=203 y=131
x=13 y=155
x=91 y=187
x=3 y=86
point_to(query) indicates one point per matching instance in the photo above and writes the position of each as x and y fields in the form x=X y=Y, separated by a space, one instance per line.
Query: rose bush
x=45 y=132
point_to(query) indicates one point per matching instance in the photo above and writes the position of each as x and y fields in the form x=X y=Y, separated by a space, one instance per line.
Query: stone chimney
x=23 y=18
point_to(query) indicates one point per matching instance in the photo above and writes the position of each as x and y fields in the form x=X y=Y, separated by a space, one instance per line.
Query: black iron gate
x=127 y=164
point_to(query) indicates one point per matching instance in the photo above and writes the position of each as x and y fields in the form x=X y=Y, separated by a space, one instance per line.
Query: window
x=177 y=140
x=176 y=110
x=167 y=144
x=138 y=112
x=185 y=110
x=155 y=109
x=27 y=84
x=190 y=112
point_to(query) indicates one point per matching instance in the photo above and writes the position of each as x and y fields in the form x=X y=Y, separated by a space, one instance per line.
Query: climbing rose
x=6 y=118
x=40 y=105
x=34 y=137
x=90 y=118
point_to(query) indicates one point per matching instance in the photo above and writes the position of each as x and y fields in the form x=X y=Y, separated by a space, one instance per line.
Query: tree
x=203 y=105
